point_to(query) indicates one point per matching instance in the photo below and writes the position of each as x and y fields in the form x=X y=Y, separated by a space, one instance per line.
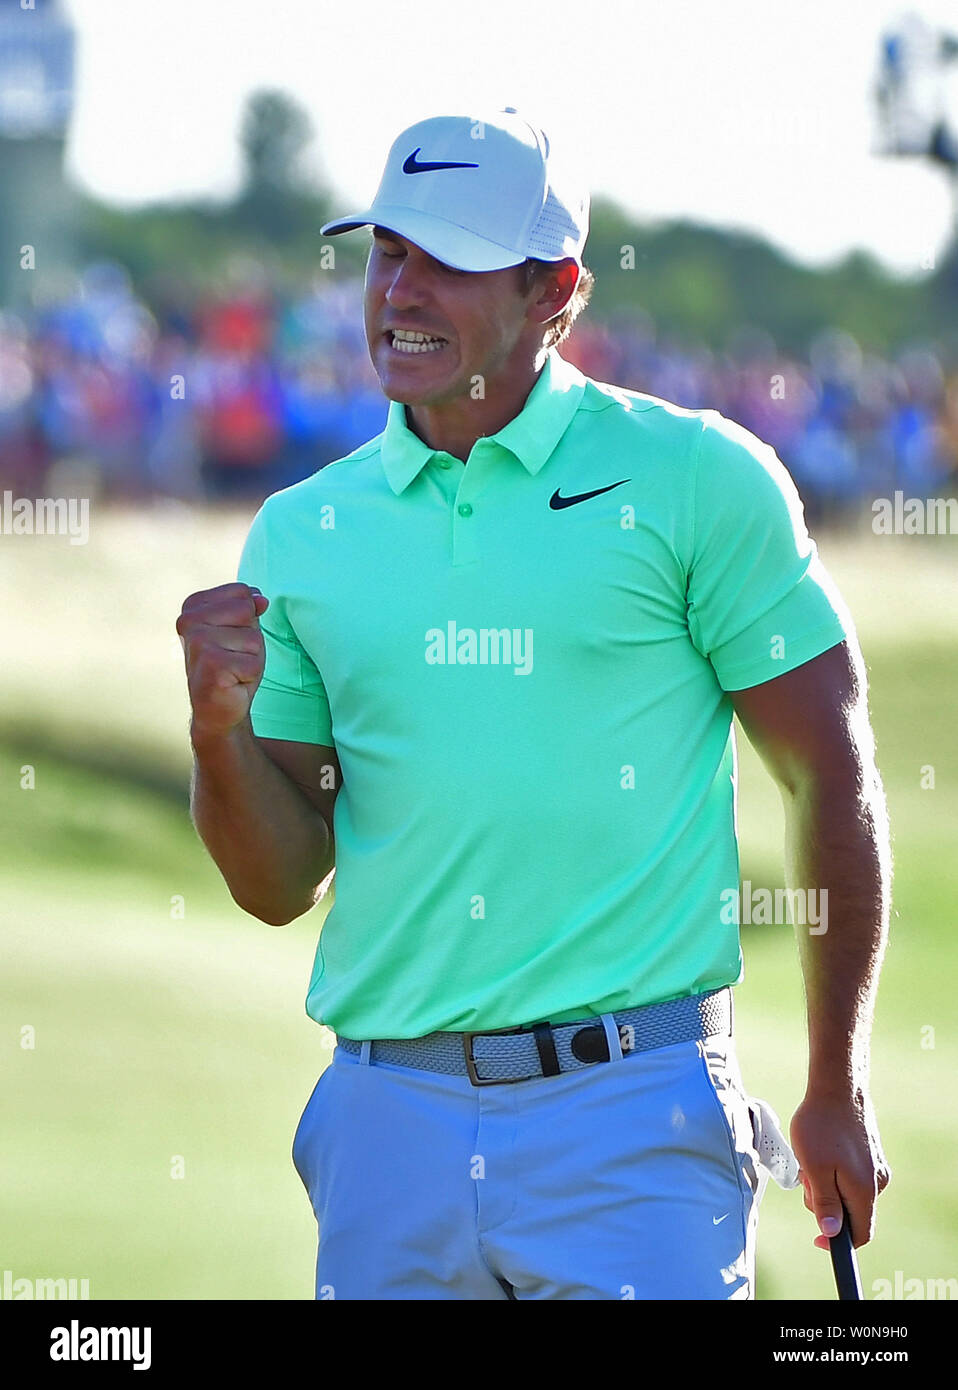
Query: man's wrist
x=839 y=1077
x=216 y=744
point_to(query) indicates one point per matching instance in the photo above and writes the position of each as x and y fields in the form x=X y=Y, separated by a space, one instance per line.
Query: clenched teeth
x=406 y=341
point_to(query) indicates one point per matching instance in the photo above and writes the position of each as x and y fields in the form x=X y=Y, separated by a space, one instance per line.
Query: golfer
x=484 y=668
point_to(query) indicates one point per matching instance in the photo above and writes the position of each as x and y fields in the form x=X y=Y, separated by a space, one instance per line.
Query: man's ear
x=556 y=288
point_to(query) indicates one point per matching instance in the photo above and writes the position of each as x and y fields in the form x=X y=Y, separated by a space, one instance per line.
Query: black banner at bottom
x=162 y=1340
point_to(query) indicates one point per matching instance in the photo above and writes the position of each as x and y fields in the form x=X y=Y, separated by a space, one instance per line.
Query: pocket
x=720 y=1065
x=303 y=1139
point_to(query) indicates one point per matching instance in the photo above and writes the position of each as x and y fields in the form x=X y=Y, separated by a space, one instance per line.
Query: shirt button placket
x=464 y=544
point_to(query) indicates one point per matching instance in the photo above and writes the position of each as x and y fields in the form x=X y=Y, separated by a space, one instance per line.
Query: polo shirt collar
x=532 y=435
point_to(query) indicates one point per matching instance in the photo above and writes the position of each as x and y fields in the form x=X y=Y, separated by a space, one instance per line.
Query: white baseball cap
x=478 y=193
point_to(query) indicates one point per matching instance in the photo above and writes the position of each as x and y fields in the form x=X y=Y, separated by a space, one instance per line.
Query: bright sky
x=749 y=113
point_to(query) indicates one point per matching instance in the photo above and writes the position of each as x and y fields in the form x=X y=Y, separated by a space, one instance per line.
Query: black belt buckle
x=545 y=1045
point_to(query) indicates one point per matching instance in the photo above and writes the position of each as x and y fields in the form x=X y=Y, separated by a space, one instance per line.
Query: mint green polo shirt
x=529 y=700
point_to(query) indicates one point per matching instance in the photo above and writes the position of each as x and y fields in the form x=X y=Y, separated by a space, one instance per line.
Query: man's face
x=480 y=316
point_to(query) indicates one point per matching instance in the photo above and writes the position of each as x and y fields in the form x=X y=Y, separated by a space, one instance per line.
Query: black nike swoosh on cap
x=557 y=503
x=412 y=165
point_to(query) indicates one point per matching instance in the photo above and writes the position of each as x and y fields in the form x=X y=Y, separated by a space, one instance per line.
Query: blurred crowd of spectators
x=249 y=389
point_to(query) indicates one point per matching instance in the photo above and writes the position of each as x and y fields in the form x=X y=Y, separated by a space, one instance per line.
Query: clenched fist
x=225 y=654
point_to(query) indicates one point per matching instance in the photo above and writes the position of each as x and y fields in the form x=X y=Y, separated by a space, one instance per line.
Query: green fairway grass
x=169 y=1027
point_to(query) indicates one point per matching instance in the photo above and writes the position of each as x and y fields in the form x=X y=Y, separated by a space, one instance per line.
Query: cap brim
x=345 y=224
x=452 y=245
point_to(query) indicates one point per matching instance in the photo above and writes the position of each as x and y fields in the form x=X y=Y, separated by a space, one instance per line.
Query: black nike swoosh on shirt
x=413 y=165
x=557 y=503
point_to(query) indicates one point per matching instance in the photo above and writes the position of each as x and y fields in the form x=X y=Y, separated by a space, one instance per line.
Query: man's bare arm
x=272 y=844
x=269 y=833
x=811 y=729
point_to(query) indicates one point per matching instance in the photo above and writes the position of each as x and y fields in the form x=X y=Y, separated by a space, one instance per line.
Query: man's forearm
x=271 y=845
x=837 y=842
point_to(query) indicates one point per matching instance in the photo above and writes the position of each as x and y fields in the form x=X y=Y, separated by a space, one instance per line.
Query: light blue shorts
x=635 y=1178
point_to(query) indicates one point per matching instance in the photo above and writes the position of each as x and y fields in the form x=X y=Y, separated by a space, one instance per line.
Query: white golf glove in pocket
x=774 y=1151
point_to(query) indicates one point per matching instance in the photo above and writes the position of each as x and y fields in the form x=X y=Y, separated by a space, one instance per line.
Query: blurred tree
x=703 y=282
x=274 y=134
x=276 y=194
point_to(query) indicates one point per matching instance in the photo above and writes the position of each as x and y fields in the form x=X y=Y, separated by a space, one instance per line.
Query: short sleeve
x=760 y=601
x=291 y=701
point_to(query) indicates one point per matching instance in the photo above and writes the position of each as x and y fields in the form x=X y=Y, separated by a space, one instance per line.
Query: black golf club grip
x=844 y=1263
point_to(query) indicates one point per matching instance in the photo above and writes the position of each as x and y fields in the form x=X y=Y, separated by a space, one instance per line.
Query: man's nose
x=406 y=286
